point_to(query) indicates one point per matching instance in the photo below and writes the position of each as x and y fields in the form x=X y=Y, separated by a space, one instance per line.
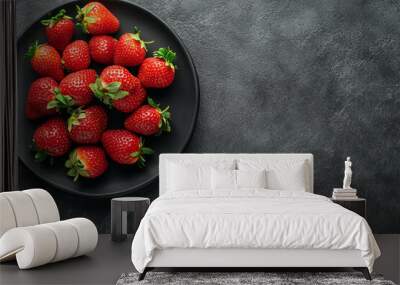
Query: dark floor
x=103 y=266
x=110 y=260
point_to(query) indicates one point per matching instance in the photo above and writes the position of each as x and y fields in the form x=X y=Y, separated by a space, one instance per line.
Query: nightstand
x=358 y=206
x=120 y=207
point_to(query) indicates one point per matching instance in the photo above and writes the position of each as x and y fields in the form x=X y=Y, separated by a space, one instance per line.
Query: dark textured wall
x=286 y=76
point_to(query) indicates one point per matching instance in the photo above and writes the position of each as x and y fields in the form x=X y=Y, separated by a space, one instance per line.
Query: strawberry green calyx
x=40 y=155
x=61 y=101
x=141 y=162
x=32 y=50
x=107 y=92
x=83 y=19
x=55 y=19
x=164 y=125
x=74 y=119
x=136 y=36
x=166 y=54
x=75 y=166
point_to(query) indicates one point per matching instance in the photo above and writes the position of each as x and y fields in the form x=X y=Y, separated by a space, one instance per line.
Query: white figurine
x=347 y=174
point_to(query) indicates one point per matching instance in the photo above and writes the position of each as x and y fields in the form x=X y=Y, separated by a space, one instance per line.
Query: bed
x=247 y=210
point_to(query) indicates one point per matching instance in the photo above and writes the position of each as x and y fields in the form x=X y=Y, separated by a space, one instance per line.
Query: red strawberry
x=76 y=85
x=87 y=125
x=46 y=60
x=116 y=86
x=30 y=112
x=132 y=102
x=102 y=49
x=76 y=56
x=130 y=49
x=86 y=161
x=158 y=71
x=51 y=138
x=41 y=92
x=94 y=18
x=149 y=119
x=124 y=147
x=59 y=30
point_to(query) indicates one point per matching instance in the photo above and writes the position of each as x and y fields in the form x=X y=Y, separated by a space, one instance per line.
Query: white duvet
x=250 y=219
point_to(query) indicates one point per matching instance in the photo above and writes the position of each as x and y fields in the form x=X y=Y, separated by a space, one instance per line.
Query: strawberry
x=86 y=161
x=102 y=49
x=76 y=56
x=130 y=49
x=158 y=71
x=41 y=92
x=94 y=18
x=30 y=112
x=130 y=103
x=59 y=30
x=51 y=138
x=45 y=60
x=86 y=126
x=76 y=86
x=149 y=119
x=117 y=87
x=124 y=147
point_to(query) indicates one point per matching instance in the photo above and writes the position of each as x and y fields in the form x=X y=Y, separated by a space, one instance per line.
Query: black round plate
x=182 y=96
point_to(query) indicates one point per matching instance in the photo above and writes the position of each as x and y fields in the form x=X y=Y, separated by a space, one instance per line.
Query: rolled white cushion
x=7 y=218
x=67 y=240
x=37 y=245
x=26 y=208
x=32 y=246
x=23 y=208
x=45 y=205
x=87 y=235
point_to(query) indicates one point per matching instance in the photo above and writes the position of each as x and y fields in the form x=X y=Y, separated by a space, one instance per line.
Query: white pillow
x=186 y=175
x=251 y=178
x=223 y=179
x=282 y=174
x=235 y=179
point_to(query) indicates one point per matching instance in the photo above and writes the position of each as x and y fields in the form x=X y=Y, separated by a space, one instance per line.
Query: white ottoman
x=31 y=232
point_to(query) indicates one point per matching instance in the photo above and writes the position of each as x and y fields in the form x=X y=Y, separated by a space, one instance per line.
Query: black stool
x=120 y=207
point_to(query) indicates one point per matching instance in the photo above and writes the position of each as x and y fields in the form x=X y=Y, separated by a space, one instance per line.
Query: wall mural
x=315 y=76
x=96 y=110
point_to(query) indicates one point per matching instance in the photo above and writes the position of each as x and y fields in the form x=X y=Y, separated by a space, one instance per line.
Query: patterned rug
x=244 y=278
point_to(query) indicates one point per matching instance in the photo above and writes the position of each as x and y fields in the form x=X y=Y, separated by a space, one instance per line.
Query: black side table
x=120 y=207
x=358 y=206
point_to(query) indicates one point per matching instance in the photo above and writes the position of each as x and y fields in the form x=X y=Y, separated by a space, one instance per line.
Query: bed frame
x=242 y=259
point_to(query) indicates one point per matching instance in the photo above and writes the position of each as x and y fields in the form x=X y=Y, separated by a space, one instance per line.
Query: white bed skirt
x=235 y=257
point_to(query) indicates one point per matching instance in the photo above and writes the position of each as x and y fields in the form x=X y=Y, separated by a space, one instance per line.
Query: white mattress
x=251 y=219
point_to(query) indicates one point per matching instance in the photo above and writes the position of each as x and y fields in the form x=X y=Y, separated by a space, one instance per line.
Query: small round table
x=120 y=208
